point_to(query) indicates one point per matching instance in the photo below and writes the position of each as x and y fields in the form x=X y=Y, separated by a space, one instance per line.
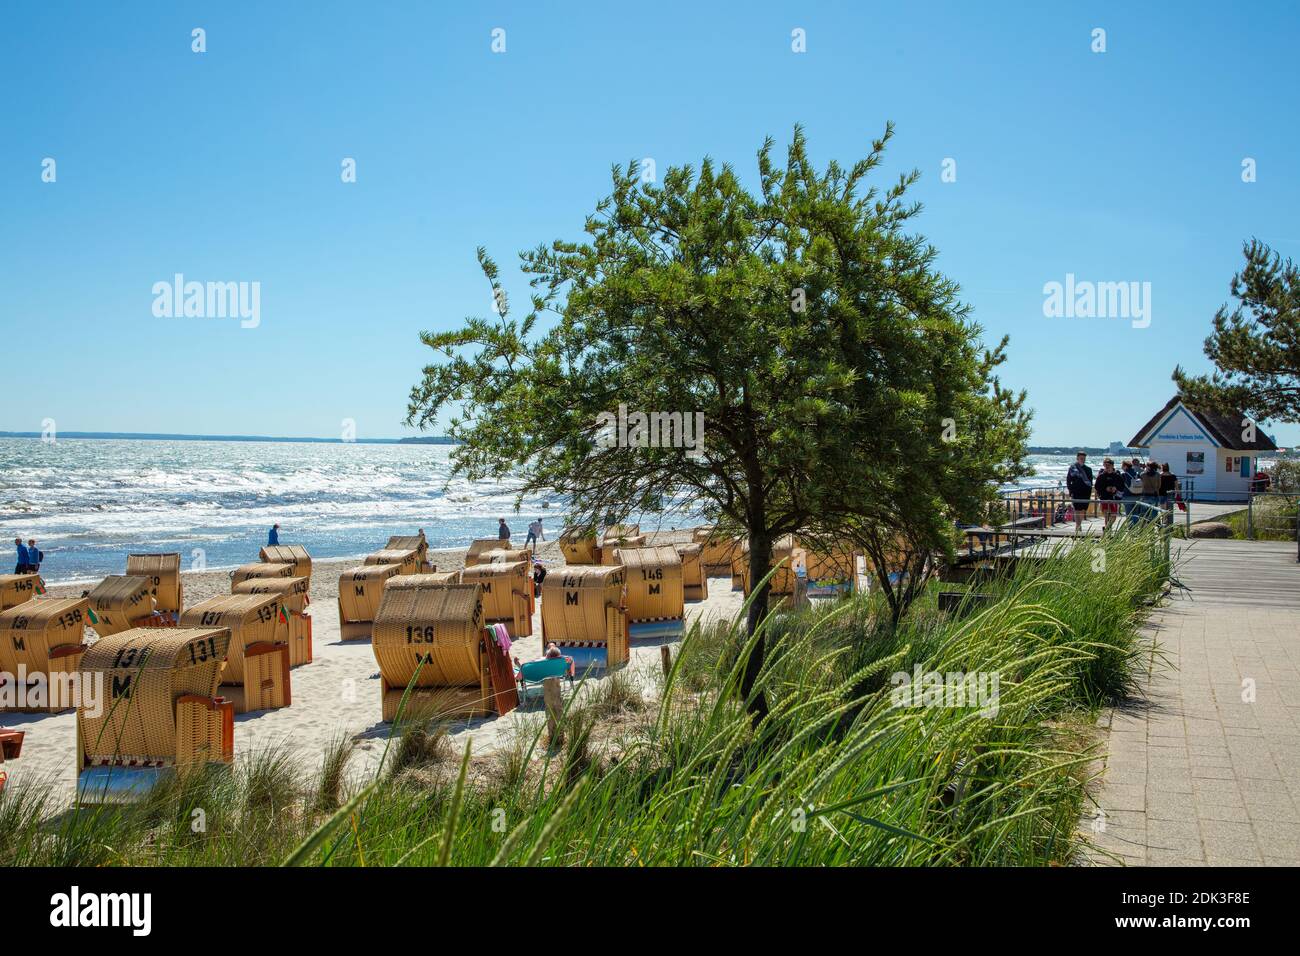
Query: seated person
x=552 y=652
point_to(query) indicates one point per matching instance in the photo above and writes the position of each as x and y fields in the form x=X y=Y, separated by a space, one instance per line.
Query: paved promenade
x=1206 y=769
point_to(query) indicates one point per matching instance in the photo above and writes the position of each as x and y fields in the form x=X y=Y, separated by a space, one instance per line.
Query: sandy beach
x=338 y=692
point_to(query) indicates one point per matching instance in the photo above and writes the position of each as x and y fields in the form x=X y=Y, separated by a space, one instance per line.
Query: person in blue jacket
x=273 y=538
x=21 y=566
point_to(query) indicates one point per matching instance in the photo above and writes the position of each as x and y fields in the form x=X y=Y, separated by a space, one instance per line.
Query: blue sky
x=225 y=166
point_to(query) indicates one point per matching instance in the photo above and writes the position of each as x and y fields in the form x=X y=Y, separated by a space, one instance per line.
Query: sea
x=89 y=502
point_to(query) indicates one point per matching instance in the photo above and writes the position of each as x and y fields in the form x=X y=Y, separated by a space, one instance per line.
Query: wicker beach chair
x=583 y=612
x=656 y=600
x=256 y=675
x=41 y=644
x=157 y=714
x=292 y=594
x=119 y=603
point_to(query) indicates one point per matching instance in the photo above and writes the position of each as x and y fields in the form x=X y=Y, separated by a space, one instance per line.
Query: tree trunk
x=760 y=561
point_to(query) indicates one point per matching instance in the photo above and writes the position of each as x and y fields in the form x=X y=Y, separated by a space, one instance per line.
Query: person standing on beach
x=534 y=533
x=1132 y=485
x=21 y=566
x=273 y=538
x=503 y=530
x=1078 y=481
x=34 y=557
x=1110 y=491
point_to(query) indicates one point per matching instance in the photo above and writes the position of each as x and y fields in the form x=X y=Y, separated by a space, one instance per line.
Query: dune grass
x=837 y=773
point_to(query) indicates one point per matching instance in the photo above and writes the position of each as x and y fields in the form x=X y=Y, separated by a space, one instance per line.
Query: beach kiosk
x=360 y=590
x=164 y=574
x=17 y=588
x=295 y=624
x=256 y=675
x=583 y=612
x=1214 y=454
x=656 y=602
x=159 y=713
x=432 y=640
x=119 y=603
x=41 y=644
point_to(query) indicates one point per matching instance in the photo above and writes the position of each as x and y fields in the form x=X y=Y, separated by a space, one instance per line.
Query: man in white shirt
x=534 y=533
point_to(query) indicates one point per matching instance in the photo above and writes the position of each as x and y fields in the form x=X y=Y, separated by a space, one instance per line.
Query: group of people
x=1117 y=488
x=29 y=556
x=534 y=532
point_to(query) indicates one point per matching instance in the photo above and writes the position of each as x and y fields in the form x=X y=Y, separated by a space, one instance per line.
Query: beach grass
x=841 y=771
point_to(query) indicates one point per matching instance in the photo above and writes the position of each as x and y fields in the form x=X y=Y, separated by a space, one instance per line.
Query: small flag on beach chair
x=94 y=618
x=284 y=618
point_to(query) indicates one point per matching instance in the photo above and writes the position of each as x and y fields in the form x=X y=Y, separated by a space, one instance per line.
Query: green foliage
x=825 y=352
x=1256 y=344
x=835 y=774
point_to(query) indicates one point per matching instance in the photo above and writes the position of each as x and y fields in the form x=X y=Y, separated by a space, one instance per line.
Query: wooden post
x=666 y=658
x=554 y=700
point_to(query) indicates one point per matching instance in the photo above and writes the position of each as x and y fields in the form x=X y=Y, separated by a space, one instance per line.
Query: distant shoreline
x=159 y=436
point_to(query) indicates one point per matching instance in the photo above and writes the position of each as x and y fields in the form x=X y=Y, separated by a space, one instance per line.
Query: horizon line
x=168 y=436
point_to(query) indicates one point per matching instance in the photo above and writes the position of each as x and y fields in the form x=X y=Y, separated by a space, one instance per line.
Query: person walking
x=273 y=536
x=34 y=557
x=21 y=566
x=1078 y=481
x=534 y=533
x=1110 y=491
x=503 y=530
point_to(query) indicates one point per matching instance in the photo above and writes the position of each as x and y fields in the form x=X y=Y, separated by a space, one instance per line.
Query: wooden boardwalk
x=1204 y=768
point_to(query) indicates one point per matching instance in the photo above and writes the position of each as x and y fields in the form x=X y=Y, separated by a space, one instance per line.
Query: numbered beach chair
x=579 y=548
x=832 y=571
x=295 y=624
x=583 y=613
x=717 y=552
x=407 y=542
x=620 y=536
x=17 y=588
x=294 y=554
x=164 y=574
x=41 y=643
x=656 y=603
x=360 y=591
x=256 y=675
x=432 y=579
x=788 y=585
x=261 y=569
x=119 y=603
x=507 y=594
x=406 y=560
x=433 y=639
x=695 y=583
x=158 y=713
x=479 y=546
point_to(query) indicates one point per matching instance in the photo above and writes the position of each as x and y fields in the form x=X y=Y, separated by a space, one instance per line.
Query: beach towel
x=503 y=637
